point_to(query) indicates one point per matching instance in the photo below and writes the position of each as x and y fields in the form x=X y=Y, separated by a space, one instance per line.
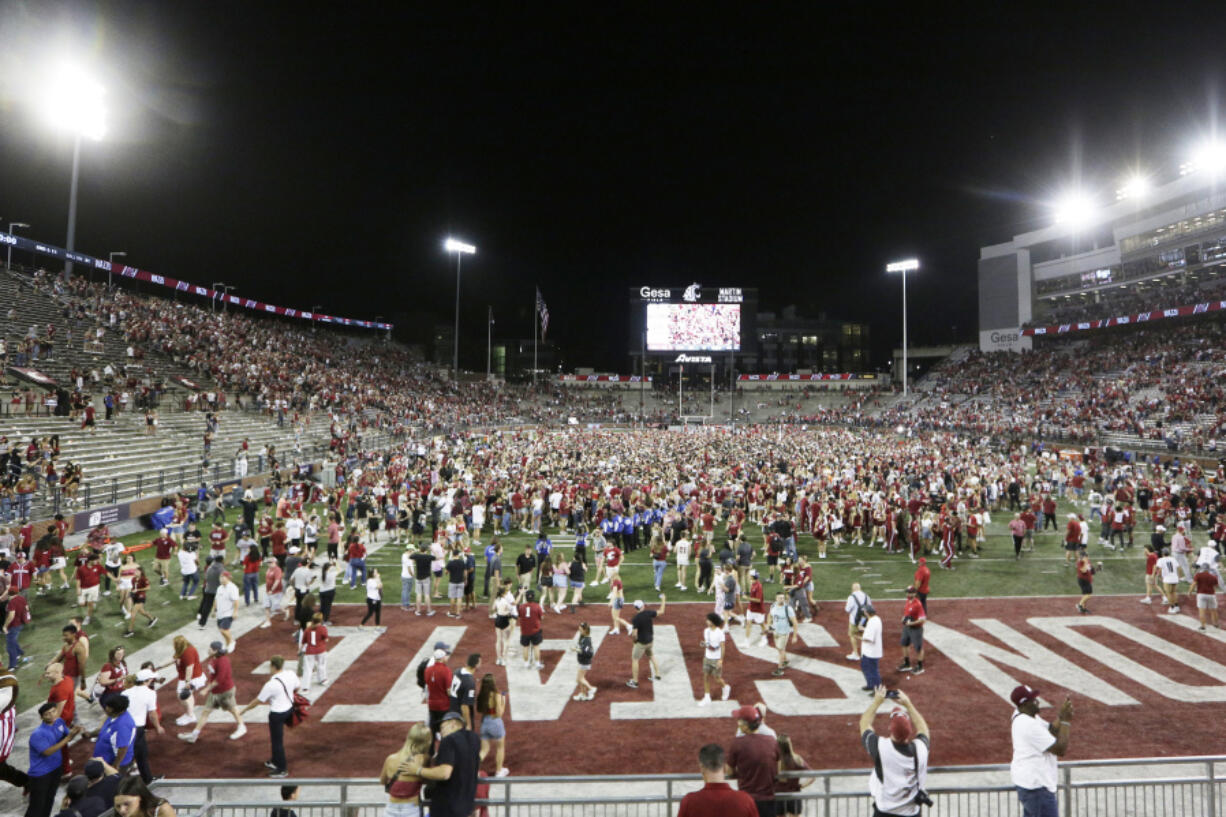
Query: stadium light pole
x=16 y=225
x=489 y=343
x=111 y=258
x=460 y=249
x=909 y=265
x=74 y=102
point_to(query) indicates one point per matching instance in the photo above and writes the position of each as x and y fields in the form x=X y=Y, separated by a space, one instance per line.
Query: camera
x=893 y=693
x=922 y=799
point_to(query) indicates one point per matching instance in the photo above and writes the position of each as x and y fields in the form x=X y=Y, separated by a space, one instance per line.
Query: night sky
x=319 y=153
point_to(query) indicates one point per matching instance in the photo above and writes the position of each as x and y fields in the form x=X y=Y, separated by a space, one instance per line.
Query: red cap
x=749 y=714
x=923 y=561
x=900 y=726
x=1023 y=694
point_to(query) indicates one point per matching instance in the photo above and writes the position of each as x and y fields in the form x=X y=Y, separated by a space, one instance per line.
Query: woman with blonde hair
x=492 y=705
x=403 y=789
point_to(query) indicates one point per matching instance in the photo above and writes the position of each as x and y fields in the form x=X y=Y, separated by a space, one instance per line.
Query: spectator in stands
x=716 y=798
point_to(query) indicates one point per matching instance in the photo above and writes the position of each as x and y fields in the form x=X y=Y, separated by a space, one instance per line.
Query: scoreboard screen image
x=693 y=327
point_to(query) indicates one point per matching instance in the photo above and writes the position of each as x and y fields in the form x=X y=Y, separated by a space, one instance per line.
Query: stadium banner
x=125 y=271
x=33 y=375
x=101 y=516
x=1126 y=320
x=804 y=378
x=601 y=378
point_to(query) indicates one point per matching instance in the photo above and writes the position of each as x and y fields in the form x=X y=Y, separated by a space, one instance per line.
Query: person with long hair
x=560 y=580
x=127 y=577
x=136 y=601
x=327 y=589
x=133 y=799
x=583 y=646
x=403 y=789
x=505 y=613
x=110 y=680
x=789 y=761
x=492 y=705
x=617 y=600
x=374 y=597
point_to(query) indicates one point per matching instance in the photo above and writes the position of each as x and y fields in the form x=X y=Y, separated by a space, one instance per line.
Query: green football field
x=883 y=576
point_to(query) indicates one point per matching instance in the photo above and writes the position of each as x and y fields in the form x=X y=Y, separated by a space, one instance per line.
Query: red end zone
x=1143 y=684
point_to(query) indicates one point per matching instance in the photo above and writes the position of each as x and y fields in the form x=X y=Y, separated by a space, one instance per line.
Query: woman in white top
x=713 y=659
x=374 y=597
x=504 y=613
x=327 y=589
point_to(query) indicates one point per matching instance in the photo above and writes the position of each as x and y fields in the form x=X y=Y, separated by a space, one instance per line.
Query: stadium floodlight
x=1075 y=210
x=74 y=101
x=1135 y=187
x=1209 y=157
x=460 y=249
x=15 y=225
x=904 y=266
x=457 y=246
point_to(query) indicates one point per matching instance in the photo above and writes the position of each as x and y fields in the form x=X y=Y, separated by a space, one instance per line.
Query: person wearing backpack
x=856 y=618
x=900 y=764
x=278 y=693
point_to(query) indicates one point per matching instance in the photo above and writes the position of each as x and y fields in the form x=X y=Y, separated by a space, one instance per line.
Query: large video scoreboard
x=671 y=319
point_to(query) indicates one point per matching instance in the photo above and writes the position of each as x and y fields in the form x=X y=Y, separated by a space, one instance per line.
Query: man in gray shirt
x=212 y=579
x=301 y=580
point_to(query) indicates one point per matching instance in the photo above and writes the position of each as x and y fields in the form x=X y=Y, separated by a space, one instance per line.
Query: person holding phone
x=1036 y=746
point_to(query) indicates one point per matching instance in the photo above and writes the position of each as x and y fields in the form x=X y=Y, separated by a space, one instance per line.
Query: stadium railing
x=1133 y=787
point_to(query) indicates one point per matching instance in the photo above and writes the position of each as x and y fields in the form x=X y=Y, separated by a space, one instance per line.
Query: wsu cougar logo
x=692 y=293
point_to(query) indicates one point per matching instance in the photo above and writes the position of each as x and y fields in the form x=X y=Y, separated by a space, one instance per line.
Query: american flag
x=543 y=311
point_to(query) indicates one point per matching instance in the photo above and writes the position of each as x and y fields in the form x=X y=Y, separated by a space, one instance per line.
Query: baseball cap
x=911 y=590
x=638 y=604
x=217 y=646
x=145 y=675
x=94 y=769
x=749 y=714
x=1023 y=694
x=900 y=726
x=923 y=561
x=225 y=574
x=452 y=716
x=1160 y=528
x=293 y=550
x=753 y=574
x=442 y=645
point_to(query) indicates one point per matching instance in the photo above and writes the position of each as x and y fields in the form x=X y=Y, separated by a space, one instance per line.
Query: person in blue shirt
x=544 y=547
x=581 y=543
x=489 y=560
x=47 y=743
x=117 y=735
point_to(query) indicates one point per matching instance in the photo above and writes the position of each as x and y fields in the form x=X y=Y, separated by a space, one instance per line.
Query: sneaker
x=905 y=666
x=154 y=621
x=189 y=737
x=278 y=774
x=852 y=657
x=265 y=625
x=678 y=584
x=1172 y=611
x=655 y=677
x=706 y=701
x=129 y=634
x=727 y=690
x=590 y=695
x=917 y=671
x=632 y=684
x=540 y=666
x=683 y=587
x=185 y=719
x=431 y=612
x=107 y=593
x=1146 y=600
x=503 y=772
x=777 y=671
x=578 y=697
x=593 y=584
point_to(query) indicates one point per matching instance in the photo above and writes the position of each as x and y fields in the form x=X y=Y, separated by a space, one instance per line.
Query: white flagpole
x=536 y=317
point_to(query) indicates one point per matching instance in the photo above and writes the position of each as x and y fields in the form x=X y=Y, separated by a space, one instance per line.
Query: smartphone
x=893 y=693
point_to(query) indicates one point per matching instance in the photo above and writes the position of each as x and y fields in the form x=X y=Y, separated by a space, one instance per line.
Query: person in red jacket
x=922 y=576
x=314 y=639
x=163 y=549
x=88 y=577
x=1072 y=538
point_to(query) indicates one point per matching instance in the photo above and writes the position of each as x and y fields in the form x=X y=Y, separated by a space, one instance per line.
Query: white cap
x=145 y=675
x=638 y=604
x=293 y=550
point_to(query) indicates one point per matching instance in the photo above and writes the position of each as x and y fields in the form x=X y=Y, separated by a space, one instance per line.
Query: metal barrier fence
x=1138 y=787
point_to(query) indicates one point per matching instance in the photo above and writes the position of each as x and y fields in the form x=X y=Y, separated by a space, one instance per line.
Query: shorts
x=1071 y=546
x=574 y=585
x=710 y=666
x=853 y=630
x=222 y=700
x=113 y=570
x=640 y=650
x=1206 y=601
x=755 y=618
x=125 y=584
x=913 y=637
x=502 y=622
x=1087 y=587
x=683 y=561
x=455 y=591
x=772 y=559
x=618 y=604
x=530 y=640
x=58 y=563
x=89 y=594
x=197 y=683
x=560 y=581
x=423 y=589
x=492 y=728
x=225 y=623
x=273 y=600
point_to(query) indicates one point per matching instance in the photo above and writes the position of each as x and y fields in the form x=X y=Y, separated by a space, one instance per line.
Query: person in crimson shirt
x=220 y=693
x=716 y=798
x=438 y=686
x=612 y=561
x=16 y=616
x=89 y=421
x=913 y=617
x=314 y=641
x=1029 y=518
x=357 y=562
x=1085 y=580
x=88 y=578
x=186 y=662
x=1206 y=584
x=218 y=537
x=922 y=575
x=278 y=538
x=264 y=531
x=20 y=573
x=753 y=760
x=63 y=692
x=163 y=550
x=756 y=614
x=530 y=635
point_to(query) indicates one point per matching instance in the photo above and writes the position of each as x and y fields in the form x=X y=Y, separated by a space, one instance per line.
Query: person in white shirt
x=143 y=707
x=1036 y=745
x=1169 y=569
x=871 y=649
x=113 y=553
x=293 y=530
x=856 y=603
x=224 y=605
x=407 y=577
x=682 y=548
x=713 y=638
x=189 y=569
x=244 y=543
x=900 y=764
x=278 y=693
